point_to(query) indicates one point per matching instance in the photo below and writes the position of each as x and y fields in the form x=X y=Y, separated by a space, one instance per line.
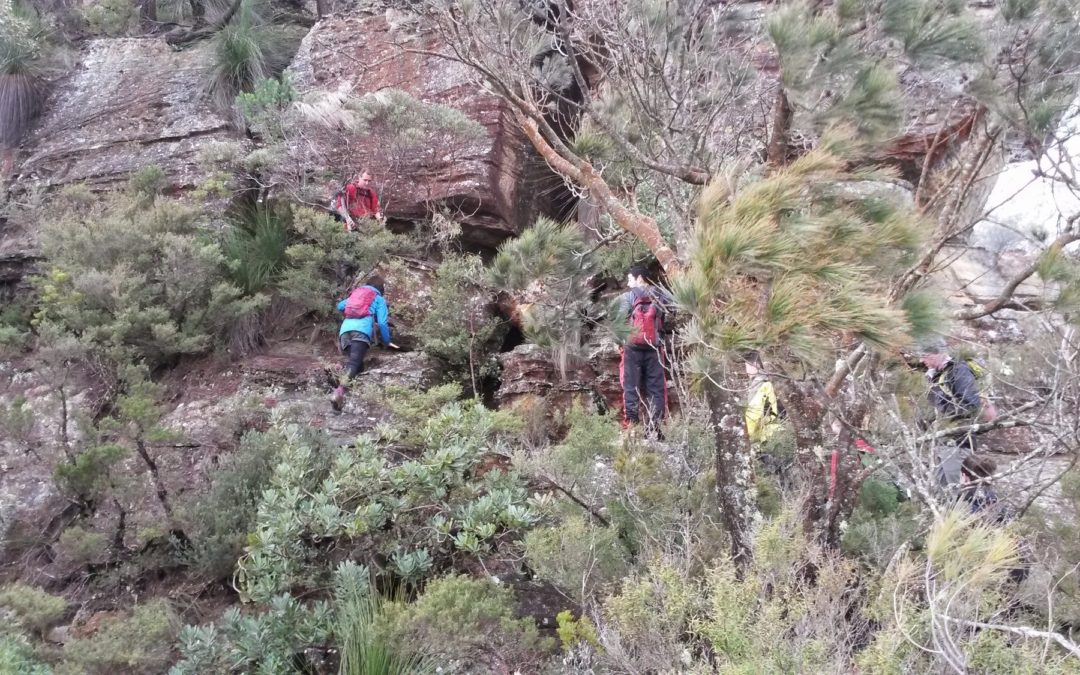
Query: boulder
x=130 y=103
x=531 y=380
x=477 y=178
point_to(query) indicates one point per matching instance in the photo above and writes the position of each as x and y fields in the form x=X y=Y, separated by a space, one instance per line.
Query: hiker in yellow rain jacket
x=763 y=413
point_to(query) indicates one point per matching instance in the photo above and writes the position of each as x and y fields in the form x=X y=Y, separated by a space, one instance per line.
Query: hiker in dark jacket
x=978 y=489
x=364 y=308
x=358 y=199
x=642 y=369
x=954 y=393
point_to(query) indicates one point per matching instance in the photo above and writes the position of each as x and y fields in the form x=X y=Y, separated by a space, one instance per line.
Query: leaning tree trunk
x=734 y=470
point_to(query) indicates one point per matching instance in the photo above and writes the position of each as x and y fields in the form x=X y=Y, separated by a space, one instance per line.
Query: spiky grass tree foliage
x=785 y=264
x=255 y=245
x=245 y=52
x=22 y=91
x=360 y=611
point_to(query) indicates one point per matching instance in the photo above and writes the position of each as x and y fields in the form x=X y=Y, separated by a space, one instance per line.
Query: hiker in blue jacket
x=364 y=308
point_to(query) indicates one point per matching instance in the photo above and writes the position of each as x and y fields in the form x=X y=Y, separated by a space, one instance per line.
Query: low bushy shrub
x=136 y=283
x=138 y=643
x=218 y=521
x=33 y=608
x=468 y=624
x=457 y=328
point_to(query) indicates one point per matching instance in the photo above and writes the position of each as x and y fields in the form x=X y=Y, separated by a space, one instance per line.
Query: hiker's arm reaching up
x=382 y=317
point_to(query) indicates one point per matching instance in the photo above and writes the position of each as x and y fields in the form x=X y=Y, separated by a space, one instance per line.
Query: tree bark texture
x=777 y=151
x=734 y=470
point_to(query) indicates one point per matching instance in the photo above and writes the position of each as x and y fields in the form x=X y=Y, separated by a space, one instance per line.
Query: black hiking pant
x=643 y=379
x=356 y=345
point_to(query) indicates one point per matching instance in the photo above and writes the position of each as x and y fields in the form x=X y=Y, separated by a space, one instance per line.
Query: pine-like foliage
x=932 y=29
x=791 y=260
x=546 y=267
x=1036 y=82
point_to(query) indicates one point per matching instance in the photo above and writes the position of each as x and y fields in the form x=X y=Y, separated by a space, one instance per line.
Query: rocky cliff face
x=128 y=104
x=478 y=179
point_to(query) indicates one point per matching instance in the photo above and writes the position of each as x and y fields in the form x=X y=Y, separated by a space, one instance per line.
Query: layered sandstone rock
x=477 y=178
x=130 y=103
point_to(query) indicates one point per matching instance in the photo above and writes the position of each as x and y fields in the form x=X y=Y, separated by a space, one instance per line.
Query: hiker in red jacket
x=356 y=200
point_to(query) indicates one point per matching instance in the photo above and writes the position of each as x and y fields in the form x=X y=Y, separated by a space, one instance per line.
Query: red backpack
x=645 y=321
x=358 y=306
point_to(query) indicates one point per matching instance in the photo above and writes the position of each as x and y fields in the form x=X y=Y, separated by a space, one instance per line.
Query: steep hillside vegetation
x=827 y=194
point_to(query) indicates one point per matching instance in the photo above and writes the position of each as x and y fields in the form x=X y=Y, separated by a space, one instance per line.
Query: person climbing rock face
x=955 y=396
x=364 y=308
x=358 y=199
x=642 y=368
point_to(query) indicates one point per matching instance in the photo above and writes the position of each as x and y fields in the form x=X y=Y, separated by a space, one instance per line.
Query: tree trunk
x=844 y=480
x=198 y=13
x=322 y=8
x=159 y=485
x=806 y=414
x=586 y=175
x=777 y=150
x=734 y=470
x=148 y=20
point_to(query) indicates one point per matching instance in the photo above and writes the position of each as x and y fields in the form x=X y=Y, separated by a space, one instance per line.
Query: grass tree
x=22 y=89
x=246 y=50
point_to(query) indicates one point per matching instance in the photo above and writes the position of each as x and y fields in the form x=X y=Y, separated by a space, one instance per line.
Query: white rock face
x=1025 y=208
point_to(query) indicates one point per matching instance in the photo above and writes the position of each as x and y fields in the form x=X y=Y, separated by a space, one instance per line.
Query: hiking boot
x=337 y=401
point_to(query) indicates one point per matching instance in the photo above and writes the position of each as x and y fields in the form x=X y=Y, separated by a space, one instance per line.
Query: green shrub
x=90 y=473
x=17 y=656
x=326 y=257
x=577 y=556
x=413 y=514
x=880 y=524
x=110 y=17
x=574 y=631
x=35 y=609
x=135 y=283
x=767 y=617
x=269 y=642
x=264 y=106
x=139 y=643
x=82 y=546
x=457 y=329
x=219 y=520
x=468 y=625
x=17 y=421
x=147 y=183
x=15 y=316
